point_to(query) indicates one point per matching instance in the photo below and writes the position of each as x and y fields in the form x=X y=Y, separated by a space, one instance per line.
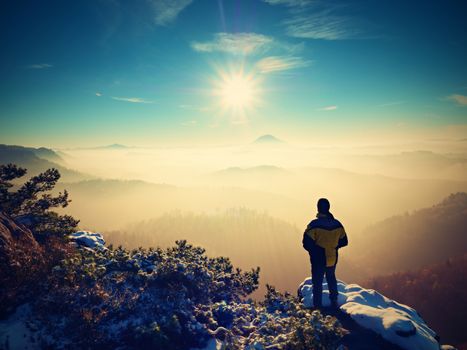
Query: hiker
x=322 y=238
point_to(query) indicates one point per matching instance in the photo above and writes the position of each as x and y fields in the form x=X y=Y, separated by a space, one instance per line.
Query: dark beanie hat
x=323 y=206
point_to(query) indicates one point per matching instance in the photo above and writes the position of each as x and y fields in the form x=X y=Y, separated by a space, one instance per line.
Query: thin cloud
x=321 y=25
x=98 y=94
x=291 y=3
x=280 y=63
x=459 y=99
x=39 y=66
x=166 y=11
x=317 y=20
x=194 y=108
x=132 y=99
x=235 y=43
x=328 y=108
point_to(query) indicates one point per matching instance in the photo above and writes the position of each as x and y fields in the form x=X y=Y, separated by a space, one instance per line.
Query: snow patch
x=89 y=239
x=395 y=322
x=15 y=333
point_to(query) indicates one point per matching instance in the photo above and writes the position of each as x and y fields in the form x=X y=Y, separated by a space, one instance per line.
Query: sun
x=237 y=91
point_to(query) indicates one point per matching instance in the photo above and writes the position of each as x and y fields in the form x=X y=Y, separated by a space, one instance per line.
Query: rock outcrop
x=21 y=257
x=88 y=239
x=396 y=323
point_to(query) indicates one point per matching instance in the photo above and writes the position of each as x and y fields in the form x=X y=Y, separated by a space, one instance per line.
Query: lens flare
x=237 y=91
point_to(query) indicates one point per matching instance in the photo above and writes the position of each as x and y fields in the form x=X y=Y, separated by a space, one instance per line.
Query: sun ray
x=237 y=92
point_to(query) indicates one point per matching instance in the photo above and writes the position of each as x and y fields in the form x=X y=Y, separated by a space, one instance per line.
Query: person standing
x=322 y=239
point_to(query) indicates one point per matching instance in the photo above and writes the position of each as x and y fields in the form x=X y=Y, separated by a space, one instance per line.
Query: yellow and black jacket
x=322 y=238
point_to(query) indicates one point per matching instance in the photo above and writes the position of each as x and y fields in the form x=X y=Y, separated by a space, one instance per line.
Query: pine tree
x=30 y=204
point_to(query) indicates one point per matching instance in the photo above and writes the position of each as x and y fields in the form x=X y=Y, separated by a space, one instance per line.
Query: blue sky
x=146 y=72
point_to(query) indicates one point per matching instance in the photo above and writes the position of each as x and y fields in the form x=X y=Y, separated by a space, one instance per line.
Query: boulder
x=88 y=239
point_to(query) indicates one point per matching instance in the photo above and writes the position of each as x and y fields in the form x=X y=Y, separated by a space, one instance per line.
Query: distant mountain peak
x=270 y=139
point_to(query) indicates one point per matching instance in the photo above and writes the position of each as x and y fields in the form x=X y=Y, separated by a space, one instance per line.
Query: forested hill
x=248 y=237
x=437 y=292
x=414 y=240
x=38 y=160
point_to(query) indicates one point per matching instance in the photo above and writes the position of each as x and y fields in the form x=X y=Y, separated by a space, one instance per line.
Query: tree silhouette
x=30 y=204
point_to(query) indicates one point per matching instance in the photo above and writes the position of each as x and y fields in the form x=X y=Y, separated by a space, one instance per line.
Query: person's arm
x=343 y=241
x=308 y=242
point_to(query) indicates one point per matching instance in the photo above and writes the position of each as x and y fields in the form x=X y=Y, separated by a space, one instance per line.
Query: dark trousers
x=317 y=275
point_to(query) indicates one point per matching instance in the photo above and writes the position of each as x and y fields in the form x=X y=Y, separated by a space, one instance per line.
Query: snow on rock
x=395 y=322
x=89 y=239
x=15 y=334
